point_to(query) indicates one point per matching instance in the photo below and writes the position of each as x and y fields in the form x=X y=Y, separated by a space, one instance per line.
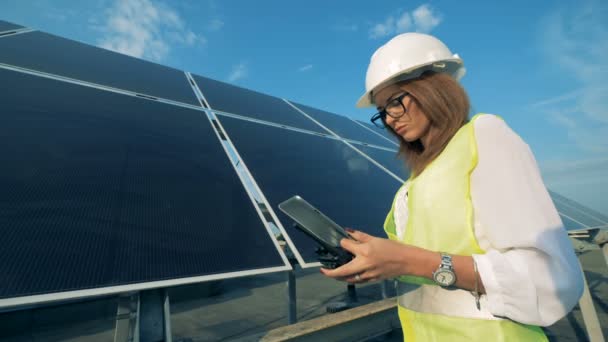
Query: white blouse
x=530 y=272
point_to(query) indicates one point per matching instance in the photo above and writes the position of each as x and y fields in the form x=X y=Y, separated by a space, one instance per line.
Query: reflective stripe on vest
x=437 y=300
x=440 y=218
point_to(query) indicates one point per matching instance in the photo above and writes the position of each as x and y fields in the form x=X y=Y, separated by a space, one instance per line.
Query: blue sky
x=541 y=65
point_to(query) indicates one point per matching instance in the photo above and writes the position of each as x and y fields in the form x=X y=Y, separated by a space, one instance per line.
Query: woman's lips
x=400 y=130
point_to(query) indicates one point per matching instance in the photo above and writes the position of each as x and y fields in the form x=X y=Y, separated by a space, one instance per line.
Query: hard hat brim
x=453 y=67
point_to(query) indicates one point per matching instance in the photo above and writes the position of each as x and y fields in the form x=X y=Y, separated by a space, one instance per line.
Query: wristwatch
x=444 y=275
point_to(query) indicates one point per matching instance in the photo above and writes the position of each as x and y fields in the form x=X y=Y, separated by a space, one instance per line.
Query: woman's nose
x=389 y=120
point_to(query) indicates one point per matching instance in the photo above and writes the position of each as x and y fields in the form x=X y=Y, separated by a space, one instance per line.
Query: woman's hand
x=378 y=259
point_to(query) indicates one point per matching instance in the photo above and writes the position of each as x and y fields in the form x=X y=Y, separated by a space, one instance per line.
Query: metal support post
x=605 y=250
x=384 y=289
x=154 y=316
x=126 y=317
x=592 y=323
x=292 y=312
x=352 y=293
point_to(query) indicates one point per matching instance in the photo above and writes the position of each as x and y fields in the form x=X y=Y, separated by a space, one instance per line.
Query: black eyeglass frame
x=381 y=115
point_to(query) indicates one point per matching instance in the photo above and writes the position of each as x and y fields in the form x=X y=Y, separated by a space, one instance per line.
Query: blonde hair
x=446 y=105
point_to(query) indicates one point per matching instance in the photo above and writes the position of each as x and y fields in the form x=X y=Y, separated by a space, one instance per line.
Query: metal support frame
x=351 y=290
x=605 y=251
x=126 y=317
x=585 y=240
x=154 y=318
x=592 y=323
x=292 y=309
x=384 y=289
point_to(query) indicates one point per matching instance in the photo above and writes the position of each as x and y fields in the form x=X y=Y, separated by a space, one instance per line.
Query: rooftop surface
x=236 y=309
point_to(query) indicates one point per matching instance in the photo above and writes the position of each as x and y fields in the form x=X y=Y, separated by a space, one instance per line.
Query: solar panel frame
x=30 y=298
x=302 y=245
x=576 y=215
x=383 y=133
x=72 y=59
x=342 y=126
x=226 y=98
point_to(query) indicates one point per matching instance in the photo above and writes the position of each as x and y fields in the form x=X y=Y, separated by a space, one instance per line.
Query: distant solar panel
x=577 y=215
x=326 y=172
x=55 y=55
x=343 y=126
x=101 y=189
x=570 y=224
x=236 y=100
x=6 y=26
x=388 y=159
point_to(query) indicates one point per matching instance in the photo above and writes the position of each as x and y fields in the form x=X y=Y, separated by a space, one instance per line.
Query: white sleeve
x=530 y=272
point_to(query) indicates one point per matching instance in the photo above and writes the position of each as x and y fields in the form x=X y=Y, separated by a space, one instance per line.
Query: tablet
x=319 y=227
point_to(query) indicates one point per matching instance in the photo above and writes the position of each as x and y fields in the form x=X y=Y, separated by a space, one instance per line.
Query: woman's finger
x=350 y=245
x=345 y=271
x=358 y=278
x=360 y=236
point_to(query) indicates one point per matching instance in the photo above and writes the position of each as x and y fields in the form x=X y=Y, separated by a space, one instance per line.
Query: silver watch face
x=444 y=277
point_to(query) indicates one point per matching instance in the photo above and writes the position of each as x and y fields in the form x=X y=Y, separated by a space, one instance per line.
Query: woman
x=474 y=239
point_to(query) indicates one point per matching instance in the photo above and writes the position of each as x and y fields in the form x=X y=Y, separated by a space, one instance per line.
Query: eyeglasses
x=394 y=108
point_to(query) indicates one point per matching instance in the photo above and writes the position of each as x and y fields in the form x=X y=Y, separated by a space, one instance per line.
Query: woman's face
x=412 y=124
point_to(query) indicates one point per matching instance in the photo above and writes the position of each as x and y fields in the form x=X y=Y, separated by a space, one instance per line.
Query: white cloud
x=422 y=19
x=404 y=23
x=384 y=29
x=305 y=68
x=575 y=43
x=216 y=25
x=238 y=72
x=143 y=28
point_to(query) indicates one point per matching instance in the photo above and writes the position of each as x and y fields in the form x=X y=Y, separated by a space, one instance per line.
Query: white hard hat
x=407 y=56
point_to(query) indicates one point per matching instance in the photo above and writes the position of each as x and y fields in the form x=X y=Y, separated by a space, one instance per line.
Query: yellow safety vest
x=440 y=218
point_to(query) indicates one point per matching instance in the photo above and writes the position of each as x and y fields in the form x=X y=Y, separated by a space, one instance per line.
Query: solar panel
x=570 y=224
x=236 y=100
x=102 y=189
x=389 y=138
x=55 y=55
x=6 y=26
x=388 y=159
x=326 y=172
x=577 y=216
x=343 y=126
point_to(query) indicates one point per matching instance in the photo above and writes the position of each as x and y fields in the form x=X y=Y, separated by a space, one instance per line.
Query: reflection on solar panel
x=55 y=55
x=102 y=189
x=6 y=26
x=388 y=159
x=236 y=100
x=326 y=172
x=576 y=216
x=380 y=131
x=344 y=127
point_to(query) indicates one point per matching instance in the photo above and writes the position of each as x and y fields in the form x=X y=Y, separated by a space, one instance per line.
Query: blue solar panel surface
x=388 y=159
x=392 y=141
x=103 y=189
x=236 y=100
x=326 y=172
x=6 y=26
x=344 y=126
x=576 y=216
x=55 y=55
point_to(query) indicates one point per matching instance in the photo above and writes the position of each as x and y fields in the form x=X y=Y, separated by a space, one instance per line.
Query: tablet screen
x=313 y=220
